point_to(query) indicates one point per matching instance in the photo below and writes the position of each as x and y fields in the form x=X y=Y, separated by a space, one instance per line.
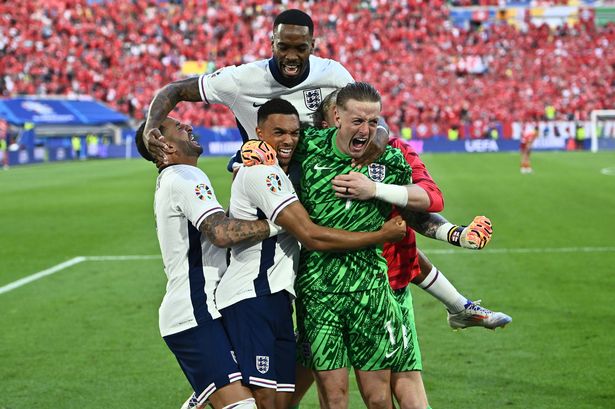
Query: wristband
x=274 y=229
x=451 y=233
x=394 y=194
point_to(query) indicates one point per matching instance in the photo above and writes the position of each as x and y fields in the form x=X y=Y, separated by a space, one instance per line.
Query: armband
x=451 y=233
x=394 y=194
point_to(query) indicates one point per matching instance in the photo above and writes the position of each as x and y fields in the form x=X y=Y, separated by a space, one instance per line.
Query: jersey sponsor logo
x=203 y=192
x=255 y=105
x=262 y=364
x=320 y=167
x=376 y=172
x=233 y=356
x=312 y=98
x=216 y=73
x=274 y=183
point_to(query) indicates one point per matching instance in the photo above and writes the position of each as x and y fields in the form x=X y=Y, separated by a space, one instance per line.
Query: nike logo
x=255 y=105
x=390 y=354
x=319 y=167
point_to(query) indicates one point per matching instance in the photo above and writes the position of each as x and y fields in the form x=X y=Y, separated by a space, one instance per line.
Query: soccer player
x=292 y=73
x=346 y=312
x=192 y=229
x=402 y=256
x=254 y=294
x=529 y=135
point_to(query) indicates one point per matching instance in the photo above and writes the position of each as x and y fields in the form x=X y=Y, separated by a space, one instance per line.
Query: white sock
x=242 y=404
x=439 y=287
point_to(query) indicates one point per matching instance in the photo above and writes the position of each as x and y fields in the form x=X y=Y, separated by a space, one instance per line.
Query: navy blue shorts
x=205 y=355
x=261 y=332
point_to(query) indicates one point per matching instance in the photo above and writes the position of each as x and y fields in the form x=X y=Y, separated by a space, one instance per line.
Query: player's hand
x=394 y=229
x=157 y=146
x=354 y=185
x=257 y=152
x=477 y=234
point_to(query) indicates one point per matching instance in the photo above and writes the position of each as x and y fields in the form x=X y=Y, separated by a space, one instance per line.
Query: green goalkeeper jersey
x=321 y=161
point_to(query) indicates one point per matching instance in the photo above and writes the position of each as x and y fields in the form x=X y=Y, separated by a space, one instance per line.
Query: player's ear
x=259 y=133
x=336 y=114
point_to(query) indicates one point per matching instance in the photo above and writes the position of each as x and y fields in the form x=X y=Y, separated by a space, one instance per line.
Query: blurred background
x=76 y=76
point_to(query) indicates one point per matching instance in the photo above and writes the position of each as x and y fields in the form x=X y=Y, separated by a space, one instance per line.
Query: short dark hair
x=275 y=106
x=319 y=115
x=359 y=91
x=141 y=144
x=296 y=18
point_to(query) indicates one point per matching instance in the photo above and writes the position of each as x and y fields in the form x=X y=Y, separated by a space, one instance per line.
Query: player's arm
x=420 y=175
x=475 y=236
x=164 y=101
x=296 y=221
x=357 y=186
x=223 y=231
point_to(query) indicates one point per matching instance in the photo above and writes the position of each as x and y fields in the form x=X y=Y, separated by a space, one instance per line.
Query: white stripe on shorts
x=265 y=383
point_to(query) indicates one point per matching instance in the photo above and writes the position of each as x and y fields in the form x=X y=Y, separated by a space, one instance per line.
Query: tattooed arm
x=226 y=232
x=425 y=224
x=475 y=236
x=165 y=100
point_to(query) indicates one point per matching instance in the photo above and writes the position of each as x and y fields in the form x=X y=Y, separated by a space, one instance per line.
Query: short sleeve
x=219 y=87
x=195 y=198
x=269 y=189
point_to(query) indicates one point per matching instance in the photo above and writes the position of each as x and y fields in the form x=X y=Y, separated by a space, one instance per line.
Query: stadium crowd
x=431 y=74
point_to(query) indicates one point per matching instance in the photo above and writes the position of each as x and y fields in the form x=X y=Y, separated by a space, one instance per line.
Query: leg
x=408 y=390
x=375 y=388
x=436 y=284
x=332 y=388
x=303 y=382
x=406 y=381
x=265 y=397
x=462 y=312
x=229 y=394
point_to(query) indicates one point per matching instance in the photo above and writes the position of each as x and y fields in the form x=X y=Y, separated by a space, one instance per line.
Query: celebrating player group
x=321 y=223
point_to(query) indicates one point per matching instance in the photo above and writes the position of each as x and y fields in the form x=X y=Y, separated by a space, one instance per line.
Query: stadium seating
x=432 y=74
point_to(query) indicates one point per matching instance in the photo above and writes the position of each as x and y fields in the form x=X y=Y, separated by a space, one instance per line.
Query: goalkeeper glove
x=475 y=236
x=257 y=152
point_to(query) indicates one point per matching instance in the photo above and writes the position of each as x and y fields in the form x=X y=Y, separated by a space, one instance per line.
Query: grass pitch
x=86 y=336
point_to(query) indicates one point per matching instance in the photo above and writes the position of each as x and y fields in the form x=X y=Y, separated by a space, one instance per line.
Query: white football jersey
x=246 y=87
x=184 y=198
x=260 y=192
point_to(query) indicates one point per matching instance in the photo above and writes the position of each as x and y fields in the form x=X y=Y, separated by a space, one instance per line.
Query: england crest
x=312 y=98
x=262 y=364
x=376 y=172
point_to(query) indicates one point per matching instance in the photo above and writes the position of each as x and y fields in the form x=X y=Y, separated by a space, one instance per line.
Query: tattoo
x=225 y=232
x=168 y=97
x=423 y=223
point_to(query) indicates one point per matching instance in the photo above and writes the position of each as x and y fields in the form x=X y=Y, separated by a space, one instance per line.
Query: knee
x=378 y=400
x=337 y=399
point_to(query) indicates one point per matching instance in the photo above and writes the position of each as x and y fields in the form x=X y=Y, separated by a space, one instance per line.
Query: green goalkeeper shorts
x=409 y=358
x=336 y=330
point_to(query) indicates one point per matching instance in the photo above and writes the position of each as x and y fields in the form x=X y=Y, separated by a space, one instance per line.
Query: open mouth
x=194 y=139
x=285 y=153
x=291 y=69
x=358 y=144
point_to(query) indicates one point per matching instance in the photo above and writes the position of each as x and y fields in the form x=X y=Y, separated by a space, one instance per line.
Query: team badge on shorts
x=203 y=192
x=376 y=172
x=262 y=364
x=312 y=98
x=274 y=183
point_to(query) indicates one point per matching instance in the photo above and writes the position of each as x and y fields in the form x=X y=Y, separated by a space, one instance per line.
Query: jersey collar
x=288 y=83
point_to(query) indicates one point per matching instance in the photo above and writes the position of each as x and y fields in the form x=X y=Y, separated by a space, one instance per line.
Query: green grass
x=87 y=336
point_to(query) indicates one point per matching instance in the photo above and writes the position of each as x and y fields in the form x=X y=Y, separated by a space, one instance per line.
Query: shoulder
x=330 y=67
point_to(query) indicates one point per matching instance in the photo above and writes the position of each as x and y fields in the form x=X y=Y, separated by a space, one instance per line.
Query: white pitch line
x=80 y=259
x=41 y=274
x=525 y=250
x=121 y=258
